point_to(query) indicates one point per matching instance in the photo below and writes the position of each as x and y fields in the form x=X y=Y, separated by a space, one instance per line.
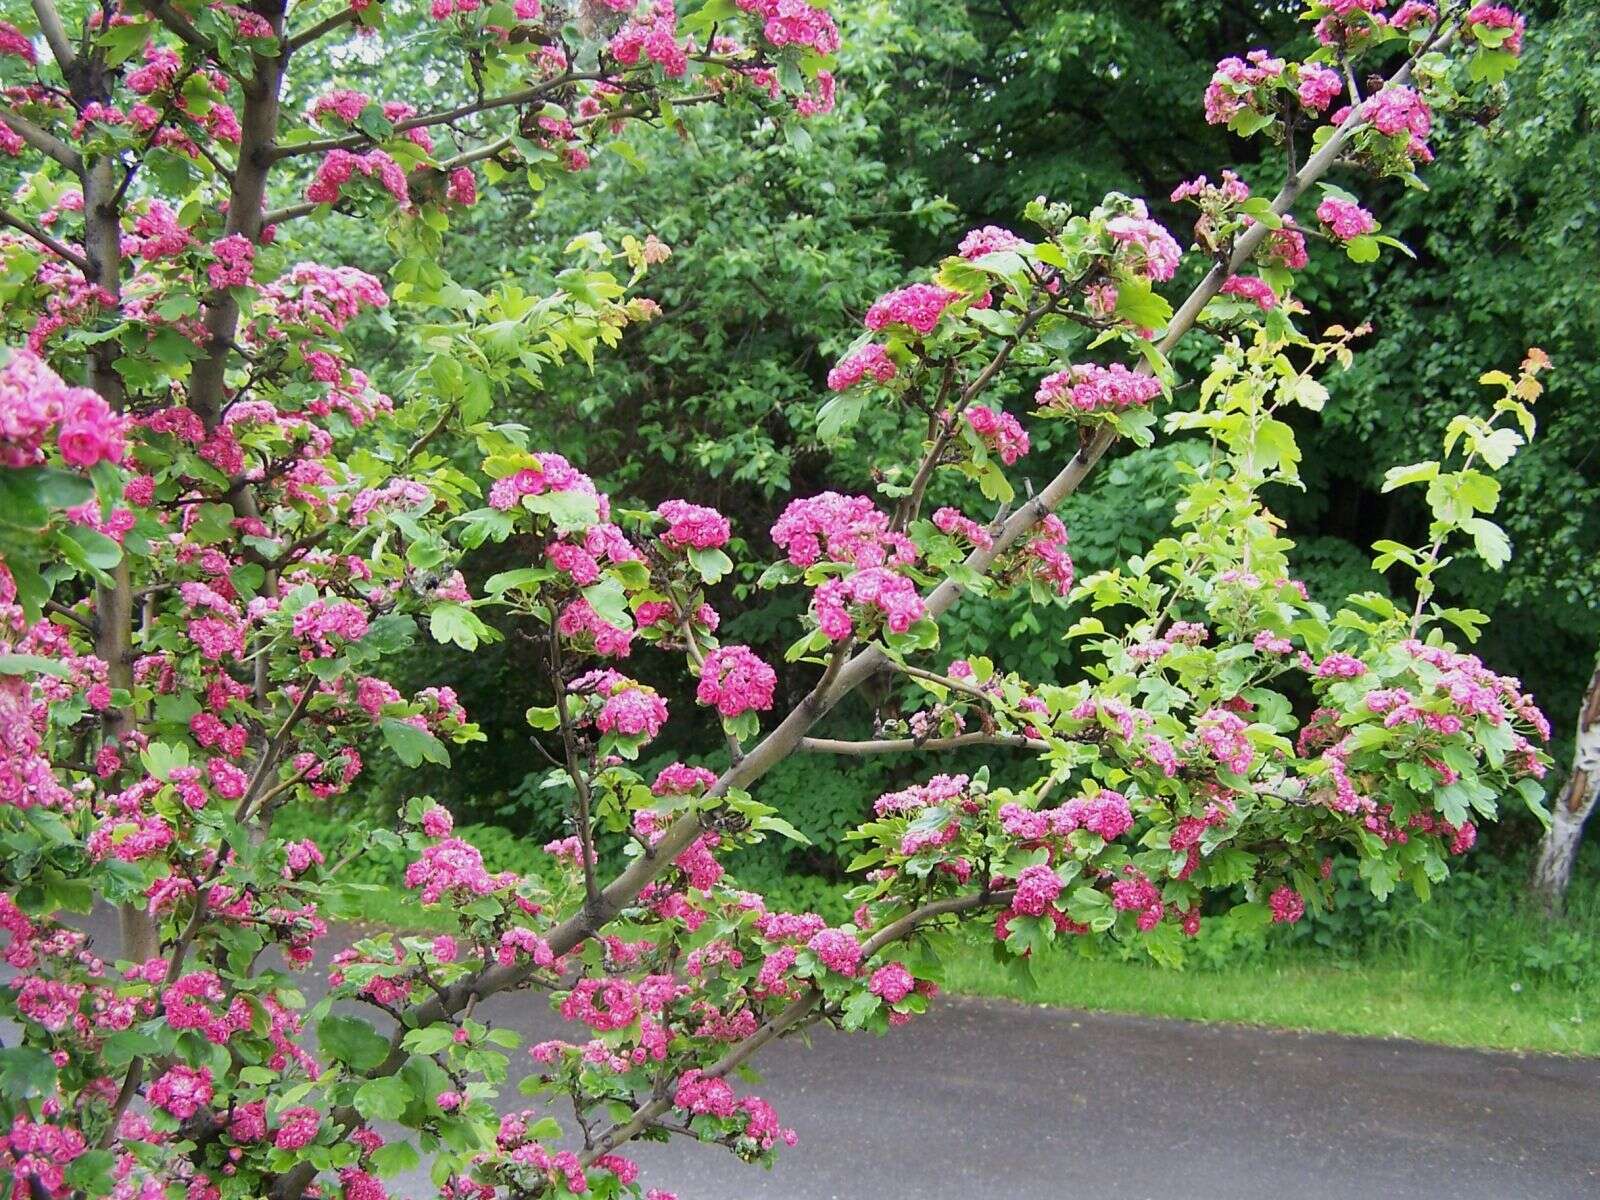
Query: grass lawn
x=1451 y=1003
x=1375 y=998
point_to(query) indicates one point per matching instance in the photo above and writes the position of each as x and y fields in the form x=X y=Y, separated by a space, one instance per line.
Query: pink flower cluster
x=1036 y=890
x=453 y=865
x=15 y=43
x=892 y=983
x=872 y=361
x=323 y=624
x=1399 y=110
x=1046 y=554
x=918 y=307
x=733 y=680
x=951 y=521
x=654 y=37
x=693 y=525
x=1344 y=219
x=627 y=707
x=841 y=529
x=553 y=474
x=1319 y=86
x=1222 y=733
x=1106 y=814
x=1000 y=431
x=36 y=1155
x=34 y=400
x=1090 y=388
x=795 y=23
x=1137 y=894
x=836 y=950
x=989 y=239
x=1252 y=288
x=232 y=258
x=1147 y=248
x=1234 y=83
x=337 y=169
x=182 y=1091
x=1287 y=905
x=462 y=188
x=893 y=596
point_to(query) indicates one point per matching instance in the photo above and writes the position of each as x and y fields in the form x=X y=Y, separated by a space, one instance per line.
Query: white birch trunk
x=1552 y=872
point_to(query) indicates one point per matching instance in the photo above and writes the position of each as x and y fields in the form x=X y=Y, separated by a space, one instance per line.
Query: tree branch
x=55 y=34
x=440 y=117
x=901 y=745
x=178 y=24
x=46 y=143
x=798 y=1011
x=61 y=249
x=327 y=25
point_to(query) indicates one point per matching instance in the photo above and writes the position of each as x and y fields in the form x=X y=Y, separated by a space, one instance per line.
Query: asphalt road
x=983 y=1100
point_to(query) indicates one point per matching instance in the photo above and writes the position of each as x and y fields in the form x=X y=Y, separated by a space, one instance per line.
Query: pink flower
x=15 y=43
x=693 y=525
x=872 y=361
x=919 y=307
x=1090 y=388
x=1319 y=86
x=1148 y=249
x=950 y=521
x=847 y=529
x=988 y=240
x=1000 y=431
x=1235 y=83
x=878 y=589
x=462 y=188
x=1344 y=219
x=734 y=681
x=1037 y=889
x=836 y=950
x=1252 y=288
x=1287 y=906
x=34 y=399
x=892 y=982
x=182 y=1091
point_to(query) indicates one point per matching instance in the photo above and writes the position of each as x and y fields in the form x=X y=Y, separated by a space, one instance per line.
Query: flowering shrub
x=219 y=539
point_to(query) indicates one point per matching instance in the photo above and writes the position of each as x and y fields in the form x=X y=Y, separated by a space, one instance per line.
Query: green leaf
x=413 y=745
x=840 y=413
x=1362 y=249
x=610 y=603
x=32 y=664
x=90 y=1172
x=571 y=512
x=1490 y=541
x=1421 y=472
x=456 y=623
x=352 y=1041
x=383 y=1099
x=858 y=1008
x=712 y=564
x=26 y=1072
x=394 y=1158
x=1138 y=303
x=779 y=825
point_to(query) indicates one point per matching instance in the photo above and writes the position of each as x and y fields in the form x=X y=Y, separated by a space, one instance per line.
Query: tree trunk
x=1559 y=849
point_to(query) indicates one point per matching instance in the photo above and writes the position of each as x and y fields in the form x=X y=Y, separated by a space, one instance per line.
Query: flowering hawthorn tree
x=217 y=537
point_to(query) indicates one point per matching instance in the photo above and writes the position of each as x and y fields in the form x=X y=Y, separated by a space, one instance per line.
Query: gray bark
x=1552 y=871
